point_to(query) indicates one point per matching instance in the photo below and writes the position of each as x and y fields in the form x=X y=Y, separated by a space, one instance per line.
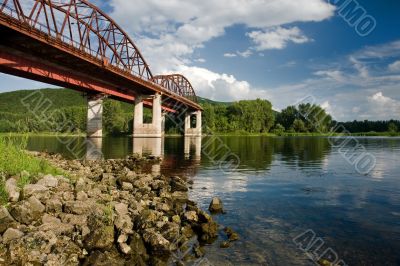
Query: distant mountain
x=10 y=102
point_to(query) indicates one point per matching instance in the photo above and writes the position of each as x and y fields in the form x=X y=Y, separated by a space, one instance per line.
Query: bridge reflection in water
x=186 y=164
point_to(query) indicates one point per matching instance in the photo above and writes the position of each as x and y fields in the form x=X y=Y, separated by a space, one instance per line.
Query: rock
x=124 y=223
x=6 y=220
x=158 y=244
x=137 y=246
x=105 y=258
x=11 y=234
x=216 y=206
x=176 y=219
x=101 y=238
x=29 y=211
x=209 y=231
x=82 y=196
x=73 y=219
x=125 y=248
x=54 y=205
x=34 y=189
x=36 y=206
x=178 y=184
x=48 y=181
x=225 y=244
x=233 y=236
x=12 y=190
x=127 y=186
x=77 y=207
x=191 y=216
x=57 y=228
x=123 y=238
x=121 y=209
x=50 y=219
x=180 y=196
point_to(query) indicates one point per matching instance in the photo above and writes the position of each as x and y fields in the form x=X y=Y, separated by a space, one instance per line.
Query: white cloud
x=277 y=38
x=222 y=87
x=168 y=32
x=383 y=106
x=395 y=67
x=230 y=55
x=245 y=54
x=201 y=60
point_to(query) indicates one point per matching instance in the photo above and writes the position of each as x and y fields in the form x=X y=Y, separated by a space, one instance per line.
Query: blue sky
x=280 y=50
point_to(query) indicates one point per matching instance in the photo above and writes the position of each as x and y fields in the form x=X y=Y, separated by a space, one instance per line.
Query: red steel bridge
x=73 y=44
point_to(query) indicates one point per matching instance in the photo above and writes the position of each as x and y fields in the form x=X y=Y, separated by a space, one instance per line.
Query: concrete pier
x=94 y=128
x=153 y=130
x=193 y=131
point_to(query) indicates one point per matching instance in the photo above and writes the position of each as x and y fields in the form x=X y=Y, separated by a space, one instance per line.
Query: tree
x=113 y=117
x=278 y=129
x=299 y=126
x=392 y=128
x=287 y=116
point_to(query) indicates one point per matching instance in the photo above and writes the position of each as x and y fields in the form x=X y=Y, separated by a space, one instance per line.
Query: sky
x=279 y=50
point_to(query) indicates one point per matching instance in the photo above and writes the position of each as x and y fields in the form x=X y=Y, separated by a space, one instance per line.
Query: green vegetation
x=64 y=111
x=239 y=117
x=14 y=160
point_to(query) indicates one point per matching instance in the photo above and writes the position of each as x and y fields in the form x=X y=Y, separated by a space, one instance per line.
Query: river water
x=279 y=191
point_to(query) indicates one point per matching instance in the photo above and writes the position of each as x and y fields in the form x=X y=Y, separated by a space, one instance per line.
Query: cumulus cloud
x=382 y=106
x=222 y=87
x=277 y=38
x=395 y=67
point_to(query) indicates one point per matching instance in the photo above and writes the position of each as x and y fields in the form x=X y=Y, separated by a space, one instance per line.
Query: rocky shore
x=102 y=213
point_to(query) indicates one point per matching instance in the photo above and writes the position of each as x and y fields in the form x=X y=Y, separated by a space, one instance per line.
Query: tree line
x=69 y=114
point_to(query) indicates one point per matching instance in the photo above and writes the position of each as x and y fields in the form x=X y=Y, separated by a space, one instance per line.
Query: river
x=276 y=191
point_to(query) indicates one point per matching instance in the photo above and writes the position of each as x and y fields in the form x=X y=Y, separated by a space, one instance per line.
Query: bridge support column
x=94 y=127
x=196 y=131
x=153 y=130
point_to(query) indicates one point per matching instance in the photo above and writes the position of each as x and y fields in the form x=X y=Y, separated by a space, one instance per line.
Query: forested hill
x=57 y=99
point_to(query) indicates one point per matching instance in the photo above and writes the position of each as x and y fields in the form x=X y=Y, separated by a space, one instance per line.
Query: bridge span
x=74 y=44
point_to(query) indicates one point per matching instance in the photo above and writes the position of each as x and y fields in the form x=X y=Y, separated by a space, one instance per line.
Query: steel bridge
x=74 y=44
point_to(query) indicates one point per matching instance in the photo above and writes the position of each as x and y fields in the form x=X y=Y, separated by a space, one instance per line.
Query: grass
x=14 y=160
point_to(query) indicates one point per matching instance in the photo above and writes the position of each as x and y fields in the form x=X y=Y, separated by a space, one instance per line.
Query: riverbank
x=100 y=213
x=222 y=134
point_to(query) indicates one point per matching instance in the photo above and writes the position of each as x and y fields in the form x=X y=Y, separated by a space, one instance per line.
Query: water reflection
x=192 y=143
x=148 y=146
x=94 y=149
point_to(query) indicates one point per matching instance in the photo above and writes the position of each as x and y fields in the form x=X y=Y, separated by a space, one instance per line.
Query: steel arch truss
x=82 y=25
x=178 y=84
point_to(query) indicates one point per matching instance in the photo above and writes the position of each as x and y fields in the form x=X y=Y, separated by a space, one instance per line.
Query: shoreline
x=101 y=212
x=360 y=134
